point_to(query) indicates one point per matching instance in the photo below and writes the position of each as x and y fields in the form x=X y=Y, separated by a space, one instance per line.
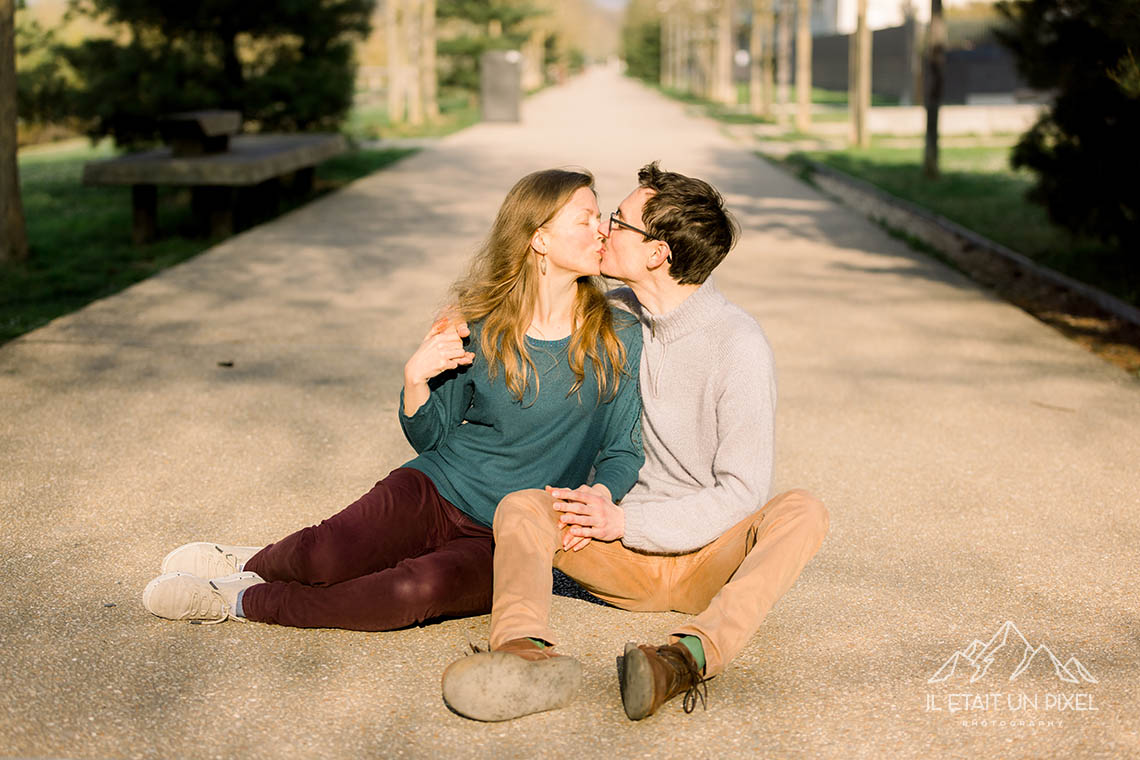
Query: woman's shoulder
x=626 y=324
x=475 y=328
x=628 y=331
x=623 y=300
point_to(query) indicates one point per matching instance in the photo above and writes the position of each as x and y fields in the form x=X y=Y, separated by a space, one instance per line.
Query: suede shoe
x=651 y=676
x=518 y=678
x=208 y=560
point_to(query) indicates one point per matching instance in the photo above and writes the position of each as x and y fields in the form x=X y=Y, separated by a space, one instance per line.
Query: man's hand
x=588 y=512
x=441 y=350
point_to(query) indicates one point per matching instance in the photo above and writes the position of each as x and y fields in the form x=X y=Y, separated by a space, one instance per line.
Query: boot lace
x=698 y=689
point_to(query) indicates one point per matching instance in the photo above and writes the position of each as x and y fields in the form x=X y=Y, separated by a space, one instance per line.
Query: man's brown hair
x=689 y=215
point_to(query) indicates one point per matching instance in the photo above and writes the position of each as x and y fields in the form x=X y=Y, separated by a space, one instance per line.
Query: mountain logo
x=1008 y=651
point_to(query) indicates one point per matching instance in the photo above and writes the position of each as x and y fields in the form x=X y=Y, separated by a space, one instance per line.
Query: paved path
x=978 y=467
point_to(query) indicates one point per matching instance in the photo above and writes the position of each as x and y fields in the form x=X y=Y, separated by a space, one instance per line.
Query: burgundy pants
x=399 y=555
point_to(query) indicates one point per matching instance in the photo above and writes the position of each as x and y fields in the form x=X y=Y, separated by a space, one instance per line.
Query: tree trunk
x=706 y=53
x=783 y=60
x=413 y=18
x=760 y=72
x=853 y=73
x=859 y=96
x=724 y=89
x=935 y=70
x=665 y=75
x=912 y=89
x=684 y=50
x=429 y=77
x=678 y=56
x=803 y=66
x=13 y=234
x=533 y=51
x=231 y=67
x=394 y=33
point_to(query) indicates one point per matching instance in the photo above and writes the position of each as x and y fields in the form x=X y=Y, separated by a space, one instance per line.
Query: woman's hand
x=442 y=350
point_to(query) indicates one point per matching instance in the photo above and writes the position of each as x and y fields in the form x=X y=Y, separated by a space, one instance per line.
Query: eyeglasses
x=615 y=219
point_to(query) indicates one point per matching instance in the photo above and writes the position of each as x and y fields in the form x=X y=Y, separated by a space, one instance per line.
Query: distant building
x=978 y=69
x=838 y=16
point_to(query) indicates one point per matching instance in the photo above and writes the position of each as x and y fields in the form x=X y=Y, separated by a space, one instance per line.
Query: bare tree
x=783 y=60
x=859 y=91
x=683 y=59
x=935 y=70
x=413 y=81
x=706 y=49
x=724 y=90
x=13 y=233
x=760 y=72
x=803 y=66
x=397 y=63
x=429 y=82
x=533 y=53
x=678 y=50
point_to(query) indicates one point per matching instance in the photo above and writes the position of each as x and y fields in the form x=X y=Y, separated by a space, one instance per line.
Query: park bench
x=233 y=178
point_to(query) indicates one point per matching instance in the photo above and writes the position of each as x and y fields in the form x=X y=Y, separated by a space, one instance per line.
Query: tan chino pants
x=729 y=585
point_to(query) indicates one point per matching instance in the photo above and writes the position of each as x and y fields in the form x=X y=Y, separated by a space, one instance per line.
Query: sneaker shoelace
x=231 y=558
x=201 y=604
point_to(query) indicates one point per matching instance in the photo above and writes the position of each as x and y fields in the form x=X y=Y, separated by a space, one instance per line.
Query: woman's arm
x=436 y=390
x=442 y=349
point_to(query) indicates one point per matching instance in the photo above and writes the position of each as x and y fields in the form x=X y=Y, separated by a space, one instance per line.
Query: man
x=688 y=536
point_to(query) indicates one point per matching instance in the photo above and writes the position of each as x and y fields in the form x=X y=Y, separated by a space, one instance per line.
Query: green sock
x=693 y=644
x=542 y=644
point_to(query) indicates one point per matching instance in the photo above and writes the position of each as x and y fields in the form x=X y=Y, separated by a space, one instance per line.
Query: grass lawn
x=825 y=97
x=457 y=110
x=739 y=114
x=980 y=191
x=80 y=246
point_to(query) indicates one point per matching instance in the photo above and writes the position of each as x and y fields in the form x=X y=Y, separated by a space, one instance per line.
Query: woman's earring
x=542 y=263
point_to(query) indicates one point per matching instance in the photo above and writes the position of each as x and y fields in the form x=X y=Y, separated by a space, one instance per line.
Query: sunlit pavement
x=978 y=468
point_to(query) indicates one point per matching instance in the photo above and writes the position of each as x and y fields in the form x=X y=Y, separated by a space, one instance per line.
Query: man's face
x=626 y=251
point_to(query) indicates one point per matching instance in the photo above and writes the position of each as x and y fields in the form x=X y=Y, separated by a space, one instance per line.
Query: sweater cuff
x=419 y=413
x=634 y=536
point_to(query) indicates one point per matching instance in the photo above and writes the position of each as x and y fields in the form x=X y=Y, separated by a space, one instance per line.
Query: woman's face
x=572 y=238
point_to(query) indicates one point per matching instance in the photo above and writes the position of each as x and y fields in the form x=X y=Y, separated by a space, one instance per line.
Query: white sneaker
x=229 y=586
x=208 y=560
x=182 y=596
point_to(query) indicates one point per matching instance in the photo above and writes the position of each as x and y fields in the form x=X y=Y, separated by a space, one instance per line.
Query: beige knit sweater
x=708 y=391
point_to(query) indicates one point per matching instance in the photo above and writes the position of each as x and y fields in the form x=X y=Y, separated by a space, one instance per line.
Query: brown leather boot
x=518 y=678
x=651 y=676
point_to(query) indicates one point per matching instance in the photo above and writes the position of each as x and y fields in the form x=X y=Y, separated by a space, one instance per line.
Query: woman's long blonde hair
x=502 y=285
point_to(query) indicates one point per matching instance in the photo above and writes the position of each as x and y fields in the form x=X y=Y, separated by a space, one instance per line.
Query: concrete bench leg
x=303 y=181
x=144 y=208
x=213 y=208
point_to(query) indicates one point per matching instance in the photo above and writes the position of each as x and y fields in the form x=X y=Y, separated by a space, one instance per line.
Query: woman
x=539 y=390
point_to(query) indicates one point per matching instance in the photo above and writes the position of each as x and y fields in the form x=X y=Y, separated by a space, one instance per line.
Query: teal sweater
x=477 y=443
